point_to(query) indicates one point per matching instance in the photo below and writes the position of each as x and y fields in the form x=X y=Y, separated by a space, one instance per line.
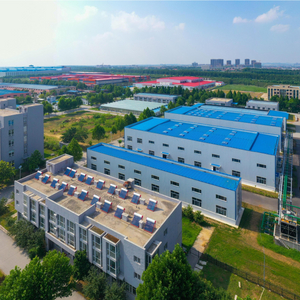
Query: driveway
x=261 y=201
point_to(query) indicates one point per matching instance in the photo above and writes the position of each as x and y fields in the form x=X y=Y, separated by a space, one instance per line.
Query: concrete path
x=259 y=200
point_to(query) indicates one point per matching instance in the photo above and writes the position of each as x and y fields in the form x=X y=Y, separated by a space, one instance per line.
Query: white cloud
x=181 y=26
x=269 y=16
x=237 y=20
x=103 y=37
x=129 y=22
x=88 y=12
x=280 y=28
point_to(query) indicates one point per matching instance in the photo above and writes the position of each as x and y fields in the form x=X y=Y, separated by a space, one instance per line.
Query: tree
x=188 y=212
x=75 y=150
x=34 y=161
x=47 y=107
x=81 y=265
x=7 y=171
x=198 y=217
x=47 y=280
x=163 y=109
x=114 y=130
x=98 y=132
x=115 y=292
x=96 y=284
x=80 y=134
x=3 y=207
x=147 y=113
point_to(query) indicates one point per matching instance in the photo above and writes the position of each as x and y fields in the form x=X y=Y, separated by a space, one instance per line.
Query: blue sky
x=147 y=32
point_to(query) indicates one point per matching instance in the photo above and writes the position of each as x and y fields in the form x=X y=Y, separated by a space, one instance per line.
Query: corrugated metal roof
x=30 y=86
x=222 y=136
x=133 y=105
x=156 y=95
x=7 y=92
x=203 y=175
x=275 y=113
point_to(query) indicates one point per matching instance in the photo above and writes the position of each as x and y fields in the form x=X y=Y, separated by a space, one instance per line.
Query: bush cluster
x=194 y=216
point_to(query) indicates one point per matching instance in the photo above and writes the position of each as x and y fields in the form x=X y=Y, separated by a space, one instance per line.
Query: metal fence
x=252 y=278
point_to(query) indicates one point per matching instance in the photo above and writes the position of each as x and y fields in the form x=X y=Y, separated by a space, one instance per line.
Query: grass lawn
x=4 y=218
x=48 y=153
x=241 y=87
x=239 y=247
x=190 y=231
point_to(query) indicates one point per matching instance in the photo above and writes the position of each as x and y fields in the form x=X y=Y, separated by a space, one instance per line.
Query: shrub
x=198 y=217
x=188 y=212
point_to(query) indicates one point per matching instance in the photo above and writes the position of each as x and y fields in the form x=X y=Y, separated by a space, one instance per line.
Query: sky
x=50 y=32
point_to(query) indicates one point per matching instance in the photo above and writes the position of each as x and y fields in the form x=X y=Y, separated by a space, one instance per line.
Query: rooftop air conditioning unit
x=57 y=186
x=142 y=201
x=125 y=217
x=141 y=224
x=76 y=194
x=41 y=178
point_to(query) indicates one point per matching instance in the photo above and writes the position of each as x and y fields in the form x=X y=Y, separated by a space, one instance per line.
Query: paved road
x=261 y=201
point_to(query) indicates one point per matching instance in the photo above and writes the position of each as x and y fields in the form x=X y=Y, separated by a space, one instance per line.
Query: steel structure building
x=11 y=94
x=31 y=70
x=262 y=105
x=160 y=98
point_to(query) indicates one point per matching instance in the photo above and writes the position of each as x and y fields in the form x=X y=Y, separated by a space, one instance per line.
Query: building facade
x=262 y=105
x=159 y=98
x=247 y=62
x=21 y=133
x=215 y=194
x=237 y=62
x=252 y=156
x=216 y=63
x=284 y=91
x=219 y=101
x=11 y=94
x=121 y=238
x=31 y=70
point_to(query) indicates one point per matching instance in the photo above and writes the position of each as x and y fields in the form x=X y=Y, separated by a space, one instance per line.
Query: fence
x=252 y=278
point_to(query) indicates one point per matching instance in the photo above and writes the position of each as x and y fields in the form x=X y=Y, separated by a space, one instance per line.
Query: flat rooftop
x=225 y=100
x=30 y=86
x=221 y=136
x=229 y=114
x=262 y=102
x=77 y=206
x=8 y=112
x=155 y=95
x=133 y=105
x=200 y=174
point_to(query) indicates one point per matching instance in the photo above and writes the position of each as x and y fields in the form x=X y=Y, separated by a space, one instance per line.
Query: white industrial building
x=82 y=209
x=159 y=98
x=219 y=101
x=262 y=105
x=217 y=195
x=250 y=155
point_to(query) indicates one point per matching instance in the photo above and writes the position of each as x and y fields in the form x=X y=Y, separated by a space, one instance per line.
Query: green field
x=244 y=88
x=190 y=231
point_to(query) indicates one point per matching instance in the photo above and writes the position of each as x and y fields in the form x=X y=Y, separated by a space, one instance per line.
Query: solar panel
x=106 y=207
x=45 y=179
x=111 y=189
x=89 y=180
x=54 y=182
x=136 y=219
x=72 y=190
x=100 y=184
x=83 y=195
x=152 y=204
x=63 y=186
x=119 y=212
x=72 y=174
x=149 y=225
x=123 y=193
x=68 y=171
x=37 y=175
x=135 y=198
x=95 y=199
x=81 y=177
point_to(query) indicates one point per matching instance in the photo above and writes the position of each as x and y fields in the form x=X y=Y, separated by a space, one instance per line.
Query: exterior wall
x=8 y=103
x=284 y=90
x=220 y=103
x=155 y=98
x=262 y=105
x=12 y=94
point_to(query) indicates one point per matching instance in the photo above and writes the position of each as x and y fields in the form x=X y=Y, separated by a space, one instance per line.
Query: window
x=11 y=132
x=151 y=152
x=137 y=172
x=32 y=204
x=93 y=167
x=166 y=231
x=261 y=166
x=71 y=240
x=174 y=194
x=33 y=216
x=61 y=234
x=215 y=155
x=155 y=177
x=42 y=222
x=25 y=200
x=17 y=191
x=111 y=250
x=174 y=183
x=155 y=188
x=221 y=197
x=107 y=162
x=261 y=180
x=42 y=210
x=106 y=171
x=196 y=190
x=180 y=148
x=52 y=216
x=196 y=201
x=166 y=246
x=151 y=142
x=121 y=176
x=12 y=162
x=96 y=242
x=129 y=288
x=221 y=210
x=236 y=160
x=52 y=228
x=11 y=153
x=165 y=145
x=71 y=227
x=197 y=151
x=82 y=246
x=137 y=276
x=61 y=221
x=139 y=140
x=83 y=234
x=236 y=173
x=137 y=181
x=129 y=138
x=121 y=167
x=93 y=158
x=181 y=160
x=96 y=257
x=129 y=147
x=11 y=143
x=136 y=259
x=197 y=164
x=111 y=266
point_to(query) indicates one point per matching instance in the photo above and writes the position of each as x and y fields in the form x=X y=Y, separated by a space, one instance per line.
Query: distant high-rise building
x=216 y=63
x=194 y=65
x=247 y=61
x=237 y=62
x=256 y=65
x=253 y=62
x=228 y=63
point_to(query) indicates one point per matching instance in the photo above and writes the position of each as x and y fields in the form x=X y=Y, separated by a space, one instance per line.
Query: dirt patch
x=203 y=238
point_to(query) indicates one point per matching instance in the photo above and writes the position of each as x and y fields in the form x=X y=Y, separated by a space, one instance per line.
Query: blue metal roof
x=15 y=69
x=156 y=95
x=222 y=136
x=230 y=114
x=275 y=113
x=203 y=175
x=30 y=86
x=7 y=92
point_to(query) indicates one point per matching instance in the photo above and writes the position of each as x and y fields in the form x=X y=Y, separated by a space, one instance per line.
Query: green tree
x=198 y=217
x=80 y=134
x=47 y=107
x=47 y=280
x=7 y=171
x=114 y=130
x=147 y=113
x=96 y=284
x=3 y=207
x=75 y=149
x=163 y=109
x=115 y=292
x=81 y=265
x=98 y=132
x=188 y=212
x=33 y=162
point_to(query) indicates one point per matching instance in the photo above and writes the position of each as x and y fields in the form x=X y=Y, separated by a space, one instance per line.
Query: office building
x=159 y=98
x=21 y=132
x=237 y=62
x=228 y=63
x=217 y=195
x=250 y=155
x=194 y=65
x=219 y=101
x=247 y=62
x=31 y=70
x=121 y=229
x=216 y=63
x=257 y=65
x=284 y=91
x=262 y=105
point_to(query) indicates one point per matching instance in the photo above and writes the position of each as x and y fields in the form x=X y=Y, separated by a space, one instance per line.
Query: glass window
x=166 y=231
x=42 y=210
x=106 y=171
x=61 y=234
x=180 y=148
x=221 y=197
x=197 y=164
x=110 y=266
x=33 y=216
x=93 y=158
x=32 y=204
x=196 y=190
x=151 y=152
x=181 y=160
x=52 y=216
x=166 y=246
x=215 y=155
x=96 y=242
x=107 y=162
x=136 y=259
x=196 y=201
x=83 y=235
x=261 y=180
x=137 y=181
x=71 y=227
x=236 y=173
x=121 y=176
x=82 y=246
x=137 y=276
x=236 y=160
x=155 y=188
x=93 y=167
x=151 y=142
x=129 y=147
x=42 y=223
x=111 y=250
x=155 y=177
x=25 y=200
x=197 y=151
x=165 y=145
x=174 y=183
x=261 y=166
x=174 y=194
x=96 y=257
x=71 y=240
x=121 y=167
x=129 y=138
x=52 y=228
x=139 y=140
x=221 y=210
x=137 y=172
x=61 y=221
